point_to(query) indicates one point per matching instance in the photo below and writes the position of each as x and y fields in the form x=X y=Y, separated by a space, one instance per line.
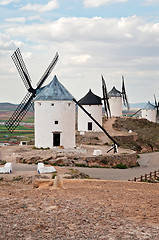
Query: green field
x=22 y=133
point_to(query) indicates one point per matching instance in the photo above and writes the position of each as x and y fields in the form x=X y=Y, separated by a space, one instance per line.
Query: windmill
x=155 y=106
x=113 y=100
x=26 y=103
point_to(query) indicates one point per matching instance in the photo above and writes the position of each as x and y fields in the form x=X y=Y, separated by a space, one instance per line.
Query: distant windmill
x=113 y=100
x=150 y=111
x=26 y=103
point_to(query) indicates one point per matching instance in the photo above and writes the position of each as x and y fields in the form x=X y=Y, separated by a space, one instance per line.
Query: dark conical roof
x=54 y=91
x=90 y=99
x=114 y=93
x=149 y=106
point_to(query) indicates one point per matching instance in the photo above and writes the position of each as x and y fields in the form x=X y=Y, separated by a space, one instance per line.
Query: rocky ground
x=83 y=209
x=147 y=134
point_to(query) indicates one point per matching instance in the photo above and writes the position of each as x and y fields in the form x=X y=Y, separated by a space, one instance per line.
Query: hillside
x=7 y=109
x=7 y=106
x=147 y=134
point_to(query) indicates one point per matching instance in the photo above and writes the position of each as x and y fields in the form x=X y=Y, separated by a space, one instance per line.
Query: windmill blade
x=20 y=112
x=48 y=71
x=136 y=112
x=21 y=67
x=156 y=105
x=105 y=98
x=125 y=99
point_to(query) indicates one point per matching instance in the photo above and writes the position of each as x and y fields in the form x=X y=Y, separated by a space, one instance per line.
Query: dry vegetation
x=147 y=132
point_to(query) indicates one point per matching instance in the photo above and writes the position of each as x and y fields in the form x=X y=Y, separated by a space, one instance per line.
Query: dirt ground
x=84 y=209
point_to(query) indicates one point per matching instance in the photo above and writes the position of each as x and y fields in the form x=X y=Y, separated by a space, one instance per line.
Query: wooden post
x=145 y=177
x=155 y=175
x=141 y=178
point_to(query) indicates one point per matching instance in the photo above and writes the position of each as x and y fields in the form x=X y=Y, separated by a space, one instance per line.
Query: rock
x=42 y=183
x=58 y=182
x=62 y=161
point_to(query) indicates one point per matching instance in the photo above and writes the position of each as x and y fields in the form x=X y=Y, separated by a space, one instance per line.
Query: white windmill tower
x=54 y=117
x=114 y=100
x=93 y=104
x=149 y=112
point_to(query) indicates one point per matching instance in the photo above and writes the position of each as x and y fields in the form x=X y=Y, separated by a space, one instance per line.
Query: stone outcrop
x=101 y=161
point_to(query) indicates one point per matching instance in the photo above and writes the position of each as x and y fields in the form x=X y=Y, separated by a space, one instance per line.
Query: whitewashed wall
x=46 y=113
x=115 y=106
x=83 y=119
x=149 y=114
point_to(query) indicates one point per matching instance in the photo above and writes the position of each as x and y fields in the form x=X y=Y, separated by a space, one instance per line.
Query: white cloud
x=51 y=5
x=21 y=19
x=6 y=2
x=89 y=47
x=81 y=58
x=98 y=3
x=16 y=20
x=150 y=2
x=6 y=43
x=32 y=18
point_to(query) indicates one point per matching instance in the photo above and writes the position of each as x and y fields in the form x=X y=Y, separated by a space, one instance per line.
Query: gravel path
x=148 y=163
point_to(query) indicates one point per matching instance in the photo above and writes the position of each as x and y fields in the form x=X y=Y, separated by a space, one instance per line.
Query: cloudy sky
x=92 y=37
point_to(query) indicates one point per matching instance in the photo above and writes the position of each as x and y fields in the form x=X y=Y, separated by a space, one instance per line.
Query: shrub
x=104 y=161
x=54 y=175
x=2 y=162
x=121 y=166
x=80 y=165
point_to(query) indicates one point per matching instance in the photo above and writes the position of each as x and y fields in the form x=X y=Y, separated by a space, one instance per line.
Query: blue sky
x=93 y=37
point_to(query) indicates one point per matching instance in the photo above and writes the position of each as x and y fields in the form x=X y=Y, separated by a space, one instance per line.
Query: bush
x=80 y=165
x=104 y=161
x=2 y=162
x=121 y=166
x=54 y=175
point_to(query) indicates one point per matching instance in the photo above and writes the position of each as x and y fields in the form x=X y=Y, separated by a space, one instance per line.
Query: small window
x=56 y=122
x=39 y=103
x=52 y=104
x=69 y=104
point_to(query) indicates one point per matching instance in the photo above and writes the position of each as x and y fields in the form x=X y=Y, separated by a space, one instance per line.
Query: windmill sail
x=156 y=105
x=105 y=98
x=21 y=67
x=48 y=71
x=26 y=103
x=20 y=112
x=125 y=99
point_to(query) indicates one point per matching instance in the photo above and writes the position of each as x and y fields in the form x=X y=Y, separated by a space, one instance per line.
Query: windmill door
x=56 y=139
x=89 y=126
